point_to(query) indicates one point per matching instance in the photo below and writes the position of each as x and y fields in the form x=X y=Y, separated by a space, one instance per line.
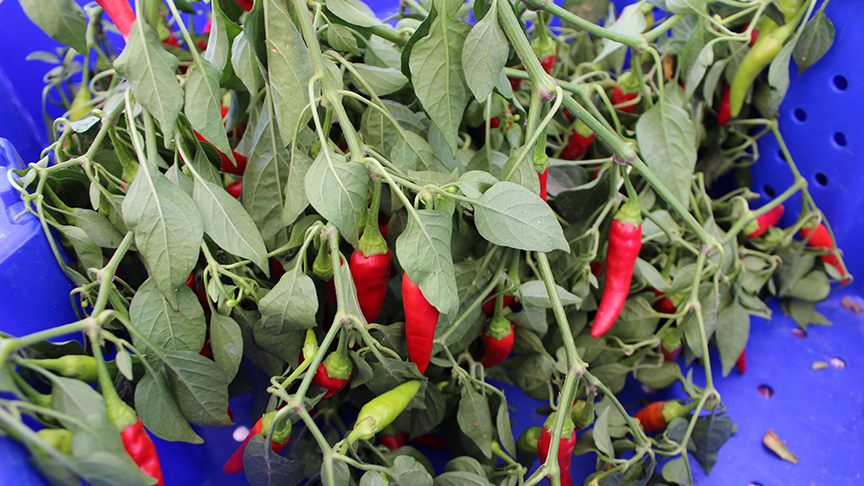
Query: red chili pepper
x=136 y=441
x=565 y=447
x=207 y=27
x=758 y=228
x=489 y=305
x=335 y=371
x=370 y=264
x=120 y=13
x=171 y=40
x=724 y=114
x=664 y=305
x=754 y=34
x=245 y=4
x=202 y=295
x=619 y=97
x=657 y=415
x=421 y=318
x=235 y=188
x=278 y=269
x=625 y=241
x=671 y=355
x=227 y=165
x=544 y=178
x=515 y=83
x=548 y=63
x=393 y=442
x=493 y=122
x=741 y=362
x=597 y=268
x=234 y=465
x=579 y=143
x=497 y=341
x=822 y=239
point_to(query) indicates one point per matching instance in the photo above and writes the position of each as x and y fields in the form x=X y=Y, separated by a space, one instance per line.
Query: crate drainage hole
x=838 y=363
x=754 y=484
x=840 y=139
x=840 y=82
x=822 y=179
x=800 y=115
x=781 y=156
x=240 y=433
x=765 y=391
x=798 y=332
x=769 y=191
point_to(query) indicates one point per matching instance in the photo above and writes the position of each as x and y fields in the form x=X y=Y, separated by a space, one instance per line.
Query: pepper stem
x=372 y=242
x=121 y=414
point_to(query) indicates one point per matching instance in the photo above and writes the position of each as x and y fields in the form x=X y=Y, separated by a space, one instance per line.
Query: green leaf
x=155 y=405
x=652 y=276
x=182 y=329
x=710 y=433
x=534 y=294
x=292 y=304
x=98 y=228
x=435 y=63
x=461 y=478
x=511 y=215
x=228 y=224
x=408 y=472
x=520 y=170
x=778 y=77
x=413 y=153
x=630 y=22
x=63 y=20
x=204 y=104
x=199 y=387
x=89 y=254
x=167 y=226
x=150 y=70
x=295 y=193
x=382 y=53
x=658 y=378
x=601 y=434
x=342 y=39
x=667 y=141
x=353 y=12
x=474 y=419
x=264 y=181
x=382 y=80
x=289 y=67
x=102 y=468
x=731 y=333
x=687 y=6
x=815 y=40
x=263 y=467
x=505 y=430
x=804 y=312
x=423 y=250
x=675 y=471
x=373 y=478
x=226 y=342
x=813 y=287
x=485 y=52
x=246 y=64
x=337 y=190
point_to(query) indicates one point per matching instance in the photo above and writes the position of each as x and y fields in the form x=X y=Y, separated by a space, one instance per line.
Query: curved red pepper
x=496 y=349
x=766 y=221
x=618 y=97
x=515 y=83
x=822 y=239
x=544 y=178
x=421 y=317
x=565 y=451
x=234 y=465
x=371 y=275
x=724 y=114
x=140 y=447
x=651 y=417
x=625 y=241
x=120 y=13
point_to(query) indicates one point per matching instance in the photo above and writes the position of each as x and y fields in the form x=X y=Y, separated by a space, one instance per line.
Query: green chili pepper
x=382 y=411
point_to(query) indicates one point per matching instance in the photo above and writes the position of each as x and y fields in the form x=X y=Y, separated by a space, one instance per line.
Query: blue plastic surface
x=818 y=106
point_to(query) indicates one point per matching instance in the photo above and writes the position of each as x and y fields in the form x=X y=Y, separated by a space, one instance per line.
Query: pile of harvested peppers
x=400 y=215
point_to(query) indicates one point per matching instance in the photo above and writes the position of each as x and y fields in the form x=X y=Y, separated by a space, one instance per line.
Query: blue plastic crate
x=817 y=122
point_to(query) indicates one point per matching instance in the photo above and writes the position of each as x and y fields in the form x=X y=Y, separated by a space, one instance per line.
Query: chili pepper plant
x=419 y=209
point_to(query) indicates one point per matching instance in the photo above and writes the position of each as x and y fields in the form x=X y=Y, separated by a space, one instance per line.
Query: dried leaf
x=774 y=443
